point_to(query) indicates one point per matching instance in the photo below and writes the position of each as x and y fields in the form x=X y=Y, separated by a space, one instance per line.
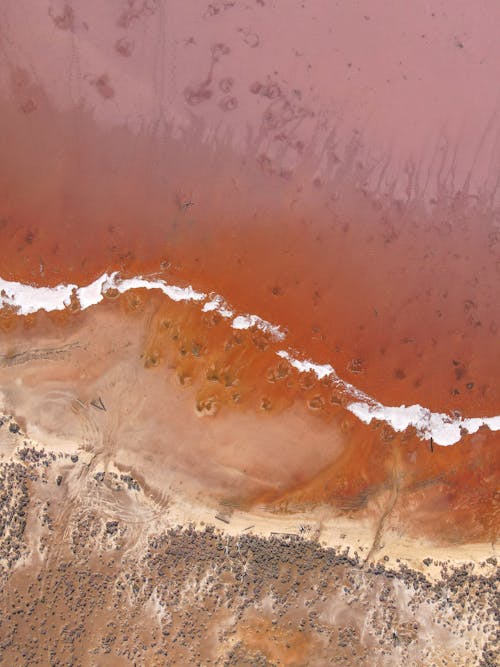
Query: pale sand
x=107 y=564
x=177 y=506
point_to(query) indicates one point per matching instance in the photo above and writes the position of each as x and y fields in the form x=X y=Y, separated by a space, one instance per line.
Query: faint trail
x=385 y=514
x=17 y=358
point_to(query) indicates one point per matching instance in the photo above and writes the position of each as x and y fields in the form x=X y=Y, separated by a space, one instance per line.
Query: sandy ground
x=95 y=571
x=137 y=526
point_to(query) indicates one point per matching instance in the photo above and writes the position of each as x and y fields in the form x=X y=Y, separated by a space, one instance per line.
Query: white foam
x=320 y=370
x=442 y=428
x=249 y=321
x=493 y=423
x=172 y=291
x=27 y=299
x=218 y=304
x=92 y=294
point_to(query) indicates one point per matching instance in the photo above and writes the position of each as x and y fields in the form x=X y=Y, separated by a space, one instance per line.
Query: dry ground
x=96 y=572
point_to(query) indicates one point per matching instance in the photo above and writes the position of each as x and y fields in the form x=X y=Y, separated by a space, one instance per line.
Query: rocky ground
x=93 y=573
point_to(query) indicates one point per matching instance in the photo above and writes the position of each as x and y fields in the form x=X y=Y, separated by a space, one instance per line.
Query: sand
x=97 y=571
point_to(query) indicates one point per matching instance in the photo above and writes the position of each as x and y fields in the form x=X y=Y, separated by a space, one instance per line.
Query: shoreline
x=439 y=428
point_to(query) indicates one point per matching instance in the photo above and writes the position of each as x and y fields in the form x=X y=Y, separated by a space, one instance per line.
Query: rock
x=111 y=527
